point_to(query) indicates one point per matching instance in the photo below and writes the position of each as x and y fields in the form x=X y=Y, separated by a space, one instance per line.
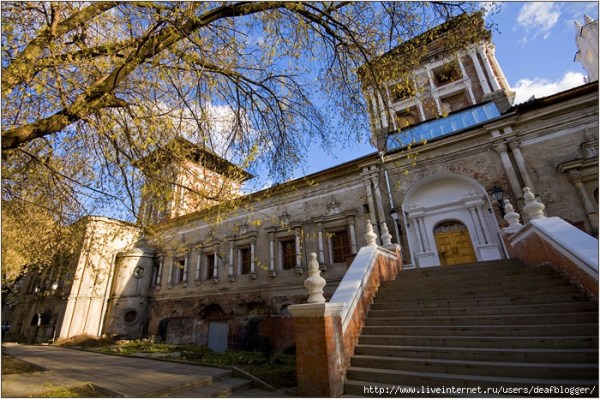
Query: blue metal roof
x=441 y=127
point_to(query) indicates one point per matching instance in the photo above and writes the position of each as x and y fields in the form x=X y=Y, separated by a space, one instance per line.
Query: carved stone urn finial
x=314 y=283
x=370 y=236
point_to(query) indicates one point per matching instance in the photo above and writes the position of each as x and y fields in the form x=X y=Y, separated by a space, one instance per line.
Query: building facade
x=448 y=145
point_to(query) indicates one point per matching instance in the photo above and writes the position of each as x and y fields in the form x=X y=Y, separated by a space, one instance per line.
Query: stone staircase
x=490 y=325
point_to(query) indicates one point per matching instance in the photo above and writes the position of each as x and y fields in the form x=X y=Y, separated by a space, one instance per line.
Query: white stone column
x=370 y=195
x=501 y=149
x=476 y=223
x=160 y=270
x=252 y=257
x=488 y=67
x=321 y=246
x=231 y=261
x=492 y=58
x=185 y=268
x=352 y=235
x=590 y=209
x=170 y=275
x=467 y=81
x=198 y=265
x=434 y=95
x=514 y=146
x=484 y=224
x=298 y=254
x=215 y=268
x=379 y=203
x=272 y=271
x=480 y=75
x=425 y=241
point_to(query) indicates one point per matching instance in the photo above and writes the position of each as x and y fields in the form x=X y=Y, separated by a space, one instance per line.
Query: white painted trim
x=351 y=288
x=573 y=243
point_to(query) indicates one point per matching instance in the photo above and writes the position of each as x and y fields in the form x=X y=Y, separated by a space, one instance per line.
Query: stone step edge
x=482 y=337
x=492 y=307
x=489 y=326
x=484 y=316
x=478 y=378
x=472 y=349
x=480 y=362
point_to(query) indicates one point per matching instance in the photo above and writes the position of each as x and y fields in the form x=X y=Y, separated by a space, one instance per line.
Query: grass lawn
x=12 y=365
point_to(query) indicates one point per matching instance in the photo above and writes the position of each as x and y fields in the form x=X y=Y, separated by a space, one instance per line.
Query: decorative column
x=496 y=66
x=424 y=240
x=575 y=178
x=477 y=224
x=501 y=149
x=467 y=80
x=514 y=146
x=480 y=75
x=417 y=234
x=170 y=275
x=298 y=254
x=370 y=198
x=272 y=271
x=185 y=269
x=486 y=64
x=231 y=263
x=215 y=268
x=252 y=258
x=160 y=269
x=198 y=266
x=321 y=246
x=352 y=234
x=436 y=98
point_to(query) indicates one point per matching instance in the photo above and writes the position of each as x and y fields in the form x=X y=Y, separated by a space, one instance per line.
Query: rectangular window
x=446 y=73
x=402 y=91
x=340 y=246
x=288 y=253
x=210 y=266
x=245 y=260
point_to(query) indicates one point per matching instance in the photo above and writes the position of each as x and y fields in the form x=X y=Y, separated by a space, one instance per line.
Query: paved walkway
x=118 y=375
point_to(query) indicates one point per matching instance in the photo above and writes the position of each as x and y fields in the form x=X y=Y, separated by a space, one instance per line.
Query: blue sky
x=535 y=47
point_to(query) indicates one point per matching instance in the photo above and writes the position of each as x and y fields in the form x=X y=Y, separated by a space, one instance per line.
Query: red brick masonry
x=323 y=349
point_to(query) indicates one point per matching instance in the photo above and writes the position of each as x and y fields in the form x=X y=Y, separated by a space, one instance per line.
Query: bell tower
x=182 y=178
x=436 y=74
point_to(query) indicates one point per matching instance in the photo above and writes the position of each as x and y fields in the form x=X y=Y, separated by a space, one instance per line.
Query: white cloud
x=540 y=87
x=538 y=18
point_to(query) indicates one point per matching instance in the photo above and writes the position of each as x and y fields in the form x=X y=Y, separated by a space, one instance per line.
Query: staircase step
x=431 y=309
x=478 y=293
x=558 y=342
x=491 y=354
x=487 y=368
x=404 y=280
x=493 y=319
x=503 y=300
x=486 y=330
x=491 y=324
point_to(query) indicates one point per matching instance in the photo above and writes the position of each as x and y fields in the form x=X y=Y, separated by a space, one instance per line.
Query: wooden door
x=455 y=247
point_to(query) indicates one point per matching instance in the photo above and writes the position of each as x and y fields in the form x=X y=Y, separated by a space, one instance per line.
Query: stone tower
x=439 y=73
x=182 y=178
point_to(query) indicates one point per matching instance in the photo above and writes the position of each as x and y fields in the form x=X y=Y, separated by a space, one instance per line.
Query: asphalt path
x=120 y=376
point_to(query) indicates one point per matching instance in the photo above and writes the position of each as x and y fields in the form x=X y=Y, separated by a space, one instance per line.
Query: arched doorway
x=453 y=243
x=445 y=197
